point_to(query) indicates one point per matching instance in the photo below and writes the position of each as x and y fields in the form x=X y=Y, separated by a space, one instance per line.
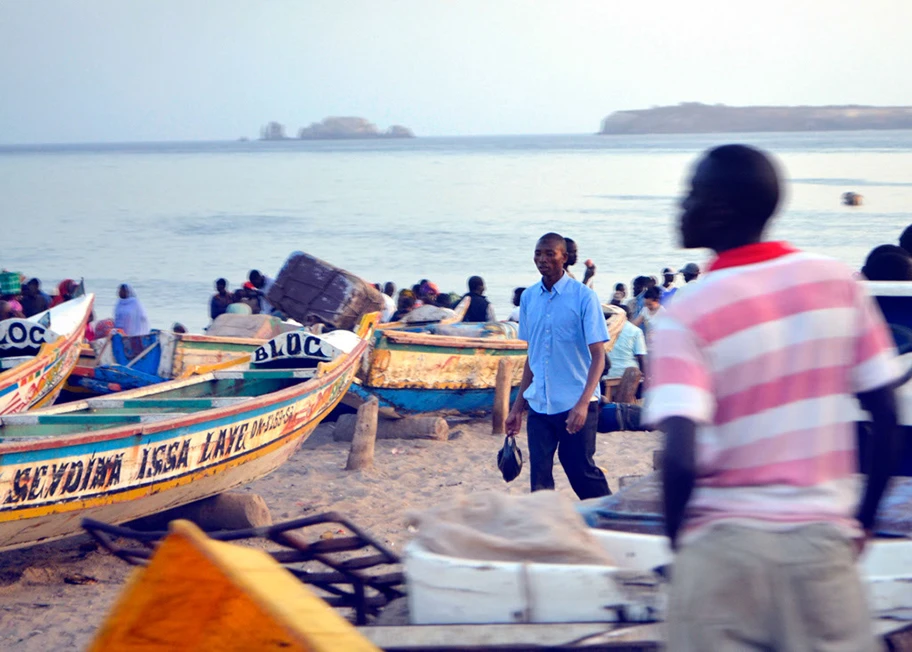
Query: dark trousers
x=548 y=433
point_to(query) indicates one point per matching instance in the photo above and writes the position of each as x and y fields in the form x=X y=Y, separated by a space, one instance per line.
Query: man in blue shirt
x=562 y=321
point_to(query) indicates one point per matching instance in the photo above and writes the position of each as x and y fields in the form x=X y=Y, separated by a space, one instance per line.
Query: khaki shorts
x=741 y=588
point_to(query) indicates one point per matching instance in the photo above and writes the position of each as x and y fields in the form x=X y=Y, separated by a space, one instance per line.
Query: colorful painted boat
x=120 y=363
x=440 y=367
x=448 y=365
x=38 y=353
x=124 y=456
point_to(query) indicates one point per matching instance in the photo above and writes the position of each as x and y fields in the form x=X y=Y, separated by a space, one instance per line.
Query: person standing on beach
x=262 y=284
x=220 y=301
x=480 y=309
x=690 y=272
x=562 y=321
x=755 y=394
x=668 y=286
x=572 y=257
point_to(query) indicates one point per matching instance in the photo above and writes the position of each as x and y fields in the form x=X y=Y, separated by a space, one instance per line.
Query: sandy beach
x=56 y=595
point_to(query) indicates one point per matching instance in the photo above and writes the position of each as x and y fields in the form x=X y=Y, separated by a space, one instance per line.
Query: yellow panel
x=199 y=594
x=426 y=369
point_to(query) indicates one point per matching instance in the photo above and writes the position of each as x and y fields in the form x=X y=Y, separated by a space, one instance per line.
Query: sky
x=169 y=70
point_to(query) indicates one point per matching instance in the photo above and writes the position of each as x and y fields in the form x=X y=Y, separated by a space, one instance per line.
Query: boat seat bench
x=159 y=402
x=255 y=374
x=16 y=426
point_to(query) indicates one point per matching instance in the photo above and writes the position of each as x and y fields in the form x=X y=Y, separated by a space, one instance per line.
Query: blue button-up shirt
x=559 y=326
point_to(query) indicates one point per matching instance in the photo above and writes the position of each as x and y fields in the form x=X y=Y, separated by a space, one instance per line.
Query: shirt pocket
x=567 y=327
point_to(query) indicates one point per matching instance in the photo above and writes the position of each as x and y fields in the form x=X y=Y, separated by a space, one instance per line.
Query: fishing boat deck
x=219 y=389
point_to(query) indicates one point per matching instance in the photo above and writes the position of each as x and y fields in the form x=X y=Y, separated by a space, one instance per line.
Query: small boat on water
x=38 y=353
x=119 y=362
x=135 y=453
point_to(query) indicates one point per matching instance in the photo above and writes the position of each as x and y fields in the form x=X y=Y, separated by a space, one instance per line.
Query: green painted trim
x=95 y=419
x=156 y=402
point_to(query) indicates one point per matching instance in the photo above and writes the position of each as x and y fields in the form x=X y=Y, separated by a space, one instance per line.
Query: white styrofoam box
x=449 y=590
x=633 y=551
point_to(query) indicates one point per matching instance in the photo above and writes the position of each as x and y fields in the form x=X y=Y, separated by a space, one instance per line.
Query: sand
x=56 y=595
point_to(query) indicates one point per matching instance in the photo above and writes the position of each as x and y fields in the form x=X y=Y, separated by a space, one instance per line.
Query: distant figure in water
x=220 y=301
x=480 y=309
x=129 y=314
x=178 y=328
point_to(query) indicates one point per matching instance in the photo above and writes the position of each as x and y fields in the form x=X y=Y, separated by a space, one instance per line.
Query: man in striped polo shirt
x=754 y=374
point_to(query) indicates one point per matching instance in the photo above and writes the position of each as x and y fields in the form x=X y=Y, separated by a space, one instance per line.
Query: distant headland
x=693 y=117
x=336 y=128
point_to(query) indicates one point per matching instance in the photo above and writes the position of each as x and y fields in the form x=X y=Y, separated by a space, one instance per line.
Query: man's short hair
x=555 y=238
x=652 y=293
x=888 y=267
x=905 y=240
x=883 y=250
x=747 y=181
x=476 y=283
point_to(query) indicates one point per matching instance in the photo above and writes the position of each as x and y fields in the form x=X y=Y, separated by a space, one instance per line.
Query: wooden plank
x=253 y=374
x=95 y=419
x=189 y=403
x=158 y=402
x=587 y=636
x=429 y=339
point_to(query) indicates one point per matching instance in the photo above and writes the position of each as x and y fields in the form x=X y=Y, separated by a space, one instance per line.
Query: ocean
x=170 y=218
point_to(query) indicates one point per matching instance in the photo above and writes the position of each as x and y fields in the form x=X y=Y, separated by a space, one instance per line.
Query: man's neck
x=549 y=282
x=736 y=242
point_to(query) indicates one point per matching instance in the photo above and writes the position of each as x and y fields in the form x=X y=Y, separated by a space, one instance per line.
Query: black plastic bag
x=509 y=459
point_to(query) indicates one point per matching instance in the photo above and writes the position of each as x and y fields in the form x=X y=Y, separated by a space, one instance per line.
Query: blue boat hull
x=416 y=401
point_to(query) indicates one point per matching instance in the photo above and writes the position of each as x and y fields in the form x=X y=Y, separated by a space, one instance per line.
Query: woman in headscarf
x=129 y=314
x=65 y=291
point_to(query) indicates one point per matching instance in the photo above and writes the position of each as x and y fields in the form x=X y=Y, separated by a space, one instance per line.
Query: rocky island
x=336 y=128
x=694 y=117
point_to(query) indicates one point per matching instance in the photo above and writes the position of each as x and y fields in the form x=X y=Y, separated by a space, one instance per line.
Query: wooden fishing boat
x=119 y=362
x=139 y=452
x=447 y=365
x=426 y=368
x=38 y=353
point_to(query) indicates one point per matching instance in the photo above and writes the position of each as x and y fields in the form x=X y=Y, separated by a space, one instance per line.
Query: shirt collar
x=559 y=285
x=759 y=252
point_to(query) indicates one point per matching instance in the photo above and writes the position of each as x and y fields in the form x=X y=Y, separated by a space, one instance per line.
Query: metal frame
x=364 y=583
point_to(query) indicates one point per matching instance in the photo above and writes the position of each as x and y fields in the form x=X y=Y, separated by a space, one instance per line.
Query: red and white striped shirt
x=765 y=354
